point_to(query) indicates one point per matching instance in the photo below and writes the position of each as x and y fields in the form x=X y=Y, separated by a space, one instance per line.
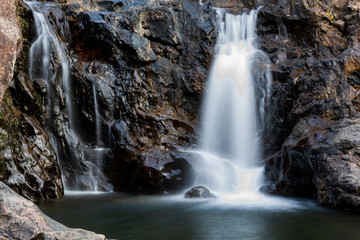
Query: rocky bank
x=22 y=219
x=27 y=161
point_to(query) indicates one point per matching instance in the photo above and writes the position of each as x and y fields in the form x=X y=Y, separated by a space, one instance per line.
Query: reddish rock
x=22 y=219
x=10 y=42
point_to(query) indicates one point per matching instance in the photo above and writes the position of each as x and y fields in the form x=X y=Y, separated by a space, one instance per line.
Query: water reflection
x=126 y=217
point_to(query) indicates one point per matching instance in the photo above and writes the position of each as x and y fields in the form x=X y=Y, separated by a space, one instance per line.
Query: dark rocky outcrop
x=314 y=48
x=199 y=192
x=22 y=219
x=320 y=156
x=149 y=65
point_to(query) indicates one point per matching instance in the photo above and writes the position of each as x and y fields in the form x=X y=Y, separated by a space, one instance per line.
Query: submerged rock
x=199 y=192
x=22 y=219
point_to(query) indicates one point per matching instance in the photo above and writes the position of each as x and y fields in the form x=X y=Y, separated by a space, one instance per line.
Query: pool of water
x=120 y=216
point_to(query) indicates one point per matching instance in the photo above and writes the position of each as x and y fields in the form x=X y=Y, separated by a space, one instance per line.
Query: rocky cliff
x=314 y=46
x=148 y=62
x=27 y=161
x=138 y=71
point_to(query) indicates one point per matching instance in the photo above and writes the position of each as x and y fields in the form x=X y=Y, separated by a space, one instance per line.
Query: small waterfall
x=40 y=54
x=98 y=151
x=97 y=118
x=89 y=159
x=234 y=108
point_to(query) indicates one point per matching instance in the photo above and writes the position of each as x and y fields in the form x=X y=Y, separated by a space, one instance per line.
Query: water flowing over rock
x=234 y=107
x=131 y=98
x=22 y=219
x=71 y=148
x=27 y=161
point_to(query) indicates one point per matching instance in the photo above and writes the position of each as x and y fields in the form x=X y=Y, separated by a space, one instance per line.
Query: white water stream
x=46 y=46
x=233 y=113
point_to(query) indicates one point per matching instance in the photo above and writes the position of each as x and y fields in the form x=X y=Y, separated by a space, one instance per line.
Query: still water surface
x=125 y=217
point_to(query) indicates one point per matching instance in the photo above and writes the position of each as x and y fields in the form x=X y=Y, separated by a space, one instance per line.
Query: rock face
x=28 y=163
x=320 y=156
x=311 y=148
x=10 y=43
x=22 y=219
x=137 y=72
x=199 y=192
x=149 y=65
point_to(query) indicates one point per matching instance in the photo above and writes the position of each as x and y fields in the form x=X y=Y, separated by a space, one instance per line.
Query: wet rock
x=10 y=42
x=148 y=61
x=149 y=65
x=28 y=163
x=22 y=219
x=199 y=192
x=320 y=158
x=144 y=65
x=315 y=96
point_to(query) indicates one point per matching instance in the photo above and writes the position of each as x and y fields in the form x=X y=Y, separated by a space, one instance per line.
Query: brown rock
x=330 y=37
x=10 y=42
x=22 y=219
x=352 y=60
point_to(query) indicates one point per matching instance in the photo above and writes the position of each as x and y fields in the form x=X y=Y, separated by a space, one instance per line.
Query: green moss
x=329 y=16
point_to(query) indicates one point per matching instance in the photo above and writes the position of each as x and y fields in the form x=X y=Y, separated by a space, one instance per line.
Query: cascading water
x=233 y=114
x=46 y=47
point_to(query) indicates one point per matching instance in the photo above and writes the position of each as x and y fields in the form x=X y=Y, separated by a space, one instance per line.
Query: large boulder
x=10 y=42
x=320 y=158
x=22 y=219
x=199 y=192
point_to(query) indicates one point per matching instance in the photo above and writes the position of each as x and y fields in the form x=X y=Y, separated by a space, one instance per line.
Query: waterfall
x=234 y=108
x=88 y=159
x=40 y=54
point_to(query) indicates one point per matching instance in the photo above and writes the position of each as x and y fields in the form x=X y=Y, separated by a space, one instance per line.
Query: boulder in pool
x=199 y=192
